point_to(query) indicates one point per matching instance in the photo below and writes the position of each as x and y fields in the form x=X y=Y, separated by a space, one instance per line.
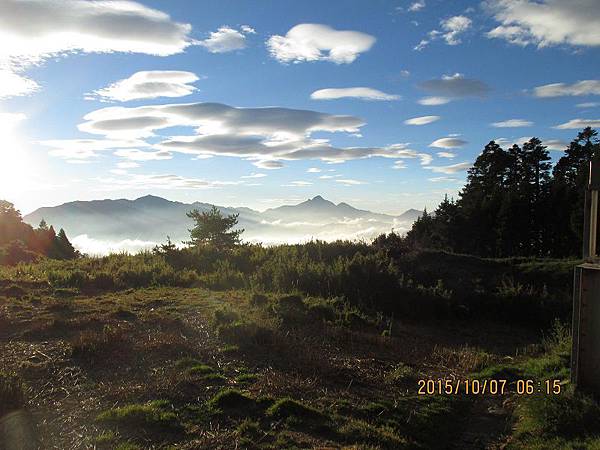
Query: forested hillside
x=515 y=203
x=20 y=242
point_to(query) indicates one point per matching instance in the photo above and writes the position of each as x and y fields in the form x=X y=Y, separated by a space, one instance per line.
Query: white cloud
x=160 y=181
x=512 y=123
x=450 y=31
x=227 y=39
x=266 y=135
x=298 y=184
x=555 y=144
x=127 y=165
x=448 y=142
x=551 y=144
x=588 y=105
x=13 y=84
x=417 y=6
x=10 y=120
x=448 y=155
x=329 y=177
x=453 y=27
x=255 y=175
x=97 y=247
x=425 y=159
x=423 y=120
x=584 y=87
x=349 y=182
x=315 y=42
x=214 y=121
x=139 y=155
x=546 y=22
x=434 y=101
x=363 y=93
x=268 y=164
x=579 y=124
x=34 y=30
x=314 y=170
x=149 y=84
x=454 y=168
x=442 y=179
x=85 y=149
x=399 y=165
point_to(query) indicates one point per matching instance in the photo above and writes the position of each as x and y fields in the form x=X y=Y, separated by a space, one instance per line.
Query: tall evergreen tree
x=212 y=228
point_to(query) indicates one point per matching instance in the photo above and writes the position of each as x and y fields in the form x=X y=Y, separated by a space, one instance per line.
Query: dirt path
x=486 y=425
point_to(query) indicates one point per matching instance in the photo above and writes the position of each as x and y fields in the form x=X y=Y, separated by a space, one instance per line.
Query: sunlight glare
x=15 y=167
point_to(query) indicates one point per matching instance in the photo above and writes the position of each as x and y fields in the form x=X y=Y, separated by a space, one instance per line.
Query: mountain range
x=102 y=226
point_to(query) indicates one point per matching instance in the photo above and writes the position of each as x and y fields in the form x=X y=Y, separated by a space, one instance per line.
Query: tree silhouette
x=214 y=229
x=514 y=204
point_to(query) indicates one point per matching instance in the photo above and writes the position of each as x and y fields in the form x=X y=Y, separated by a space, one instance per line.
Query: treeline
x=515 y=203
x=20 y=242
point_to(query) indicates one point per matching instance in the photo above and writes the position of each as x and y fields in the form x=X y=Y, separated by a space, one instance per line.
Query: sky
x=381 y=104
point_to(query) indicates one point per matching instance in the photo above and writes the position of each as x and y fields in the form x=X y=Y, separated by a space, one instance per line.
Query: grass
x=569 y=420
x=292 y=358
x=151 y=416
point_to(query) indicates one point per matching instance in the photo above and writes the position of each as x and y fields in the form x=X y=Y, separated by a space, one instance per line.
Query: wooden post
x=585 y=353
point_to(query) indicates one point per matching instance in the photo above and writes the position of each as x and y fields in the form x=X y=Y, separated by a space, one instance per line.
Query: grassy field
x=170 y=367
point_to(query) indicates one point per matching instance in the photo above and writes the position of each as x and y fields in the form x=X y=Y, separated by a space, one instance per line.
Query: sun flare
x=15 y=166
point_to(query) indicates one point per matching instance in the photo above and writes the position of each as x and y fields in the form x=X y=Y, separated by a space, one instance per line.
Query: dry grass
x=113 y=355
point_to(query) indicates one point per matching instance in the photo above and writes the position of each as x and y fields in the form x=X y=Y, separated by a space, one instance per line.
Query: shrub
x=568 y=415
x=231 y=400
x=259 y=300
x=225 y=316
x=245 y=334
x=200 y=369
x=110 y=344
x=12 y=396
x=292 y=310
x=298 y=414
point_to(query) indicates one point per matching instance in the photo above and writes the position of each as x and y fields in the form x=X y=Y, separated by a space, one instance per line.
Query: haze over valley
x=103 y=226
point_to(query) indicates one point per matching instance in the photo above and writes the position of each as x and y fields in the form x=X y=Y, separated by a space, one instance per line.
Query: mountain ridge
x=152 y=218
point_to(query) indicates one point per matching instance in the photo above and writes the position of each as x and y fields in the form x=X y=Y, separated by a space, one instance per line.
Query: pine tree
x=64 y=246
x=213 y=229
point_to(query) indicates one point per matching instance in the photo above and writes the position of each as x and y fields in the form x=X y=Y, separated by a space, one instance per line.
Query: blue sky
x=530 y=68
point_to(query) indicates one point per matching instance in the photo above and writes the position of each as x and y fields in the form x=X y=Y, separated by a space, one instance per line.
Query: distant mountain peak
x=318 y=198
x=152 y=200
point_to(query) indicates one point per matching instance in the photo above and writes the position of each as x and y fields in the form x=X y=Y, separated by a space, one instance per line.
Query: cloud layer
x=585 y=87
x=149 y=84
x=575 y=124
x=448 y=142
x=512 y=123
x=266 y=136
x=423 y=120
x=362 y=93
x=315 y=42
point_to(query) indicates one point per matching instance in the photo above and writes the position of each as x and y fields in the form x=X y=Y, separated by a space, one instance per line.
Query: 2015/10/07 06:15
x=491 y=387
